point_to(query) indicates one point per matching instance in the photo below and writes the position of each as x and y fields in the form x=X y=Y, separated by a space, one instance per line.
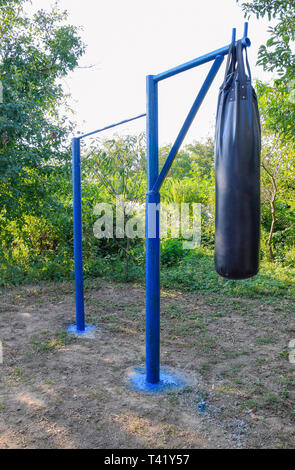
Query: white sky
x=128 y=39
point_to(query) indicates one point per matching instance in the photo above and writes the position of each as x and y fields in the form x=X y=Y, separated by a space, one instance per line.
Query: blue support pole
x=152 y=239
x=78 y=252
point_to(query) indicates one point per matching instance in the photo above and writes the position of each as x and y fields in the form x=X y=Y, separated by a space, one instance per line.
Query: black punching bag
x=237 y=171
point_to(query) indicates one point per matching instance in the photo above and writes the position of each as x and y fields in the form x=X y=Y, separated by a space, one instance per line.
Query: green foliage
x=194 y=185
x=171 y=252
x=278 y=167
x=277 y=109
x=278 y=53
x=36 y=248
x=196 y=273
x=117 y=167
x=35 y=185
x=36 y=237
x=35 y=54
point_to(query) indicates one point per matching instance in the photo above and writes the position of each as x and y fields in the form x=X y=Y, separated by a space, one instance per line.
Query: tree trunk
x=273 y=221
x=127 y=258
x=273 y=211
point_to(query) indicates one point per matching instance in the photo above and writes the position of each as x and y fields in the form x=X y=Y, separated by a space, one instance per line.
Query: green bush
x=172 y=251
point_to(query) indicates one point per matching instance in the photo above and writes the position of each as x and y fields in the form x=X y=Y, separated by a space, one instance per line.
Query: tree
x=277 y=55
x=192 y=181
x=36 y=53
x=271 y=154
x=278 y=167
x=277 y=108
x=117 y=169
x=278 y=163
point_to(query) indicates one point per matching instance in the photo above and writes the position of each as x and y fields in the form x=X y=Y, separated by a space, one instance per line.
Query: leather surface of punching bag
x=237 y=172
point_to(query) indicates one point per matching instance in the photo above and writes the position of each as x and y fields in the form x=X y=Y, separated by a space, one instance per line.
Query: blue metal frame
x=80 y=327
x=152 y=379
x=154 y=182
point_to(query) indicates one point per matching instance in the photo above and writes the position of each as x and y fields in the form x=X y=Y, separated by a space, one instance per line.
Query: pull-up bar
x=80 y=327
x=110 y=126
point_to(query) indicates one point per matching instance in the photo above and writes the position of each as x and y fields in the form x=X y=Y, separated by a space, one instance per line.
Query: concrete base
x=170 y=381
x=87 y=333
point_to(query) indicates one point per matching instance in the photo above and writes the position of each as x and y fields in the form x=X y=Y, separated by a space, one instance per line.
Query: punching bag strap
x=248 y=66
x=231 y=61
x=241 y=75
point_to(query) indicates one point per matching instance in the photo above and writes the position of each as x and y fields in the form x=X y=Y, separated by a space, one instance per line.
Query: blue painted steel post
x=78 y=252
x=152 y=239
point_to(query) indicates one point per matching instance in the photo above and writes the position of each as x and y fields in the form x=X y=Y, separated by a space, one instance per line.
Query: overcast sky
x=128 y=39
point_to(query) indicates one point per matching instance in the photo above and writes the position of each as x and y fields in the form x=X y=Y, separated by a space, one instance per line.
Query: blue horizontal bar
x=198 y=61
x=190 y=117
x=112 y=125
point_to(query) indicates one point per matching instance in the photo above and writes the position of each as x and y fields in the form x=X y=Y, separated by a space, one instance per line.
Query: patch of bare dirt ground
x=58 y=391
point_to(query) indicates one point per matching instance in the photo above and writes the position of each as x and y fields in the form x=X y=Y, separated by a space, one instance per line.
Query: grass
x=236 y=345
x=268 y=339
x=193 y=272
x=50 y=343
x=196 y=272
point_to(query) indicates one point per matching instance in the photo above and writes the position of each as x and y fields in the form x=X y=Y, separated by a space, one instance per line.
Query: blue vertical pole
x=233 y=39
x=152 y=239
x=78 y=253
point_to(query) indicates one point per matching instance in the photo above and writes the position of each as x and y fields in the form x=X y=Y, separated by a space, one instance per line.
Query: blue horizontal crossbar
x=187 y=123
x=199 y=61
x=110 y=126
